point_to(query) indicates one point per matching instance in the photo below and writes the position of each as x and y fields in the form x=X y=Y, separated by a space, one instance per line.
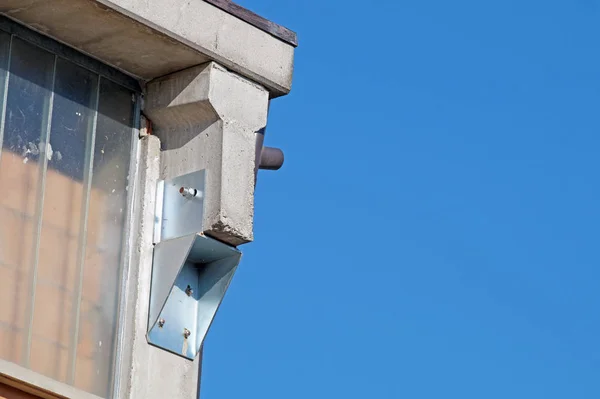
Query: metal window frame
x=127 y=254
x=23 y=378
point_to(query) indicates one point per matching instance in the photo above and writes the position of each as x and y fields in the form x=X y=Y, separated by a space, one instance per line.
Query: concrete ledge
x=151 y=38
x=207 y=118
x=261 y=23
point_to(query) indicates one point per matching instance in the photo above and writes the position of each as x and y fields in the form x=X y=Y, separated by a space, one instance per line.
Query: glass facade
x=66 y=135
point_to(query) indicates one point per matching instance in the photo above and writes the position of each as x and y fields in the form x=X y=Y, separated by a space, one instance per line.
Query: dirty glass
x=63 y=223
x=105 y=234
x=13 y=224
x=21 y=177
x=67 y=136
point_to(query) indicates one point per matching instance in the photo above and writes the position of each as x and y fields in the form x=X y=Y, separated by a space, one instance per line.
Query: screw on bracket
x=161 y=323
x=186 y=333
x=189 y=291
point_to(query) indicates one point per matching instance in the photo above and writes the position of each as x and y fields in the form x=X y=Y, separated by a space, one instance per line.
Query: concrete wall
x=148 y=371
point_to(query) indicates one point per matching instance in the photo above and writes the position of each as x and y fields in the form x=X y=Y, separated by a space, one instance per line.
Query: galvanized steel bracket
x=190 y=271
x=179 y=206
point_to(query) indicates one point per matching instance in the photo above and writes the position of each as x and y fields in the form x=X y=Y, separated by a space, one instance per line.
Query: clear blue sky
x=435 y=230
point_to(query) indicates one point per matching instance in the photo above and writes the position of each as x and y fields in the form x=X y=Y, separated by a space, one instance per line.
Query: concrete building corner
x=180 y=86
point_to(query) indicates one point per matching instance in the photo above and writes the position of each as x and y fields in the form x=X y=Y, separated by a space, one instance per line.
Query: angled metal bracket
x=190 y=272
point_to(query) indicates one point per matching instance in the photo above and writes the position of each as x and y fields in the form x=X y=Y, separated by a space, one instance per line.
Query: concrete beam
x=151 y=38
x=208 y=118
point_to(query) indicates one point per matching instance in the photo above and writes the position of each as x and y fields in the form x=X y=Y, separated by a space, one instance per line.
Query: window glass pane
x=106 y=223
x=8 y=335
x=25 y=127
x=55 y=320
x=4 y=58
x=67 y=137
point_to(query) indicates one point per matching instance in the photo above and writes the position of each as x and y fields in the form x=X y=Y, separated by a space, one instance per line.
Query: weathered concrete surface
x=105 y=34
x=224 y=38
x=152 y=38
x=207 y=118
x=152 y=372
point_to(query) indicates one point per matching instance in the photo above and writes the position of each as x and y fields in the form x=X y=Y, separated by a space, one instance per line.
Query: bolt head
x=188 y=192
x=161 y=323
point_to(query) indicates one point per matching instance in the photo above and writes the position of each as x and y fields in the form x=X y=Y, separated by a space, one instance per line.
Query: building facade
x=131 y=133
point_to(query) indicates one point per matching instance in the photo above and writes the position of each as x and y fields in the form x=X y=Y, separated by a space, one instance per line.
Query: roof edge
x=280 y=32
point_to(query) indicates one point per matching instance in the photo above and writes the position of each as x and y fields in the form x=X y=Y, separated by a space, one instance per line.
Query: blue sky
x=434 y=232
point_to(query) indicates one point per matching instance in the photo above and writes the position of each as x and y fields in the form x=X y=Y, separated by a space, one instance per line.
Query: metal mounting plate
x=178 y=215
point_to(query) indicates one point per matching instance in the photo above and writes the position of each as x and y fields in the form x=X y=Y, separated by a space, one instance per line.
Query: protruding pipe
x=271 y=158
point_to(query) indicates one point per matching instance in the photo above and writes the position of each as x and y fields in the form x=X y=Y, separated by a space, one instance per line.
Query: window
x=66 y=134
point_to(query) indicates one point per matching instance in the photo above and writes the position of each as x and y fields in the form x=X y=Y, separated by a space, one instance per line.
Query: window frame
x=22 y=378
